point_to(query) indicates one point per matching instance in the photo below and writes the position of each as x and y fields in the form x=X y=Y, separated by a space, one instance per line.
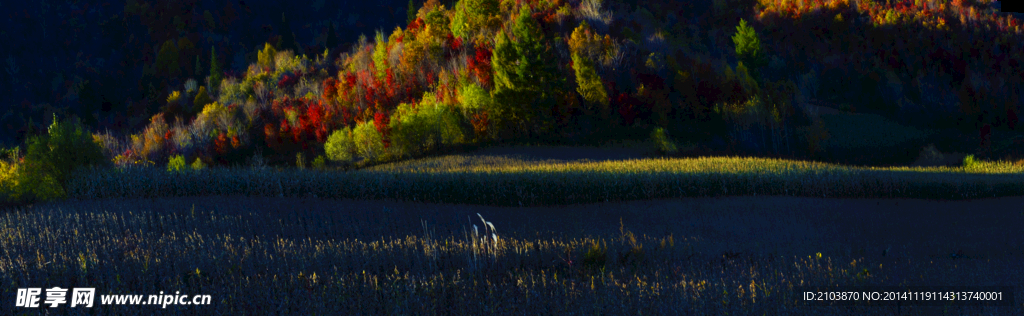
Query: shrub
x=595 y=257
x=340 y=146
x=198 y=165
x=319 y=162
x=174 y=97
x=52 y=157
x=970 y=162
x=664 y=143
x=177 y=164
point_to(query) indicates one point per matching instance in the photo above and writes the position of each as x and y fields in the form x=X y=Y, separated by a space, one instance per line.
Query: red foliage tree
x=270 y=134
x=380 y=121
x=289 y=80
x=330 y=89
x=480 y=124
x=318 y=124
x=481 y=65
x=627 y=108
x=390 y=85
x=220 y=145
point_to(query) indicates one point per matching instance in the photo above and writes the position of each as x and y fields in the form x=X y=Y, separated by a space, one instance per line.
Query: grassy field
x=511 y=181
x=703 y=256
x=573 y=231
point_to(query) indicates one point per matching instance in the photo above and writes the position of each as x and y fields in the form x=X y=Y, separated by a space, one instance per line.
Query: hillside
x=727 y=77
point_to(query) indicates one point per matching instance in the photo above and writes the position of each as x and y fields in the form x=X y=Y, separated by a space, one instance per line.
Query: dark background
x=89 y=59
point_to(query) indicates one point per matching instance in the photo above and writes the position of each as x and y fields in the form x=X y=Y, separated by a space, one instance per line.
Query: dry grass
x=318 y=257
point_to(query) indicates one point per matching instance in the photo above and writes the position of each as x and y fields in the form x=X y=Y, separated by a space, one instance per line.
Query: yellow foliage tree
x=265 y=58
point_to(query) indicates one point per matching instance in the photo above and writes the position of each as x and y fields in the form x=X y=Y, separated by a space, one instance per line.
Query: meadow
x=495 y=233
x=507 y=181
x=312 y=256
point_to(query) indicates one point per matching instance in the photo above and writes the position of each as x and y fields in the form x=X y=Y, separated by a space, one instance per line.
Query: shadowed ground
x=983 y=233
x=773 y=241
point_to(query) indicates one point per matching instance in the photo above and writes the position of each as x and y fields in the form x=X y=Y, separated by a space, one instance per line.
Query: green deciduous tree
x=177 y=164
x=340 y=146
x=380 y=55
x=472 y=15
x=588 y=83
x=368 y=142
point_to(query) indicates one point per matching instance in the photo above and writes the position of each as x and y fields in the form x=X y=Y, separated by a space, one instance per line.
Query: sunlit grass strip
x=558 y=184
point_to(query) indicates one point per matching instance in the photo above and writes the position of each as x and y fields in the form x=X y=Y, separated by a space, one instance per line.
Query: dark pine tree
x=287 y=37
x=332 y=37
x=215 y=72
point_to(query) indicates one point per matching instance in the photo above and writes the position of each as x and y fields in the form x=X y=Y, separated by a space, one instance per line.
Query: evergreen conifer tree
x=199 y=68
x=411 y=13
x=287 y=37
x=215 y=73
x=526 y=78
x=748 y=47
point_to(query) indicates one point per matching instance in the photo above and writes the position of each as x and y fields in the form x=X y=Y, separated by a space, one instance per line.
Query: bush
x=595 y=257
x=340 y=146
x=177 y=164
x=664 y=143
x=319 y=162
x=971 y=163
x=198 y=165
x=52 y=157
